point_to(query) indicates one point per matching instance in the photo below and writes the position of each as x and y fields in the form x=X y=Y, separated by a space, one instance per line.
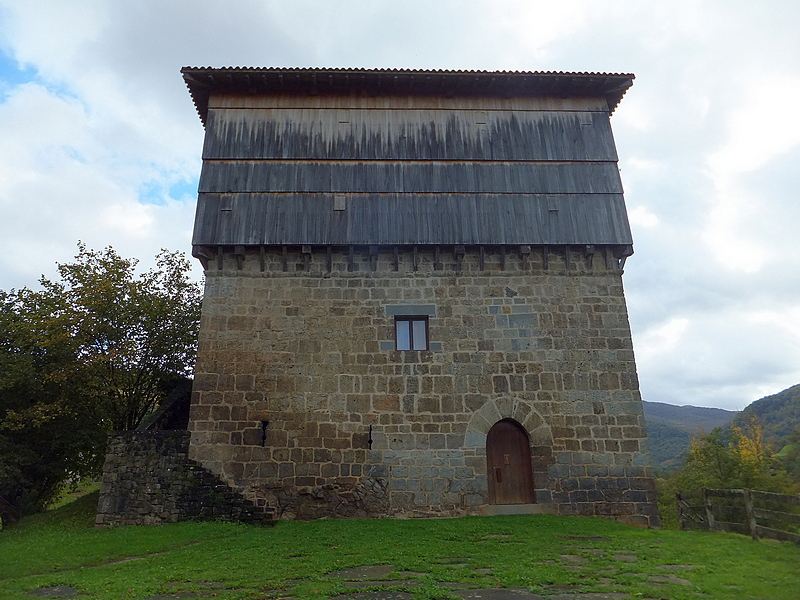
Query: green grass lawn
x=541 y=553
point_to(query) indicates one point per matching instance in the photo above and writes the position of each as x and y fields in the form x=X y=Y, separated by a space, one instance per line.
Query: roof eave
x=202 y=80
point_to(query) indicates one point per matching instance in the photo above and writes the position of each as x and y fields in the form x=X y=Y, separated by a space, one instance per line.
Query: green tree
x=726 y=458
x=790 y=455
x=132 y=332
x=734 y=459
x=84 y=355
x=46 y=429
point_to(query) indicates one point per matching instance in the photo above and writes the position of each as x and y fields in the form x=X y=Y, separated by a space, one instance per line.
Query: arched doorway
x=508 y=459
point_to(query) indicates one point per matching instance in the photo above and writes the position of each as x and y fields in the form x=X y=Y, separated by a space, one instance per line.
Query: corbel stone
x=239 y=254
x=524 y=254
x=459 y=251
x=373 y=257
x=589 y=254
x=204 y=254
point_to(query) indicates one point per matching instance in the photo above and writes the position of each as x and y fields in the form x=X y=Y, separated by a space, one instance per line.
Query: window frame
x=411 y=319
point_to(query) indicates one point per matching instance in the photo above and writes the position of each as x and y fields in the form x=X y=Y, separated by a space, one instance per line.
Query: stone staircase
x=149 y=479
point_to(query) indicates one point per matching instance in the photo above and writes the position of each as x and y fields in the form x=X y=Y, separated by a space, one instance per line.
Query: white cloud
x=640 y=216
x=709 y=359
x=662 y=339
x=757 y=129
x=756 y=134
x=63 y=178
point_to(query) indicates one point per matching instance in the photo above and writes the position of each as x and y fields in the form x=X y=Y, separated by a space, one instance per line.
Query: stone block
x=267 y=470
x=569 y=483
x=607 y=483
x=470 y=500
x=597 y=471
x=437 y=441
x=577 y=471
x=500 y=384
x=630 y=445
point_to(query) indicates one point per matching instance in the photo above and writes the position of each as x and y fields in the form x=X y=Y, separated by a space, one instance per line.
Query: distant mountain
x=691 y=419
x=668 y=445
x=778 y=414
x=670 y=429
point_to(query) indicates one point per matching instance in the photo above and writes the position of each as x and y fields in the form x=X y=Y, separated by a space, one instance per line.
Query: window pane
x=403 y=334
x=420 y=334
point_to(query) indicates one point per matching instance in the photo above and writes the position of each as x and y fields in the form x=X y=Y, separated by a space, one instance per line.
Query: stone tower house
x=413 y=301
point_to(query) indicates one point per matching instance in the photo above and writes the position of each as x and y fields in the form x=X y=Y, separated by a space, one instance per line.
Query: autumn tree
x=737 y=458
x=83 y=355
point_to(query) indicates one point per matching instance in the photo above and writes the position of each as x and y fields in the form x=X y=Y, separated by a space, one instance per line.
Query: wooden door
x=508 y=458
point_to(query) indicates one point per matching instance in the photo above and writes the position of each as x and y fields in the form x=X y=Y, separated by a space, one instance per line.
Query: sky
x=100 y=142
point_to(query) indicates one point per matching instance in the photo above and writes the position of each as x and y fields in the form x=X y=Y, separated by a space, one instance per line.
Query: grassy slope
x=61 y=548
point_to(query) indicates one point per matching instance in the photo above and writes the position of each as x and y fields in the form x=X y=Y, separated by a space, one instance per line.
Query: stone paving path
x=380 y=576
x=375 y=576
x=57 y=591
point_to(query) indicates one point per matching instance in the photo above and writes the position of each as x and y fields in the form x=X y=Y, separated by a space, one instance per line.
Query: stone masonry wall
x=301 y=401
x=148 y=479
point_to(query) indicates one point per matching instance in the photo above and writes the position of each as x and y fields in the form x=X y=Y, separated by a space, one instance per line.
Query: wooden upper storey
x=403 y=158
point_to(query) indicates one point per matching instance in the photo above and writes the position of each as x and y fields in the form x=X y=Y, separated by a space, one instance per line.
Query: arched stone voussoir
x=490 y=413
x=496 y=409
x=532 y=420
x=505 y=407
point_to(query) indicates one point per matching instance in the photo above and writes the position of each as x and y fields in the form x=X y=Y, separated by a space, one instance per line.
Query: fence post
x=751 y=515
x=680 y=510
x=709 y=511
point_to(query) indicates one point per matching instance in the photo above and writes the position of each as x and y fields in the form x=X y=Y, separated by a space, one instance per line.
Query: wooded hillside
x=670 y=429
x=778 y=414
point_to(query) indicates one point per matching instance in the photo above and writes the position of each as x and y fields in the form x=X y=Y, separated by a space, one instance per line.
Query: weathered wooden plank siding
x=414 y=170
x=400 y=102
x=255 y=219
x=408 y=135
x=410 y=177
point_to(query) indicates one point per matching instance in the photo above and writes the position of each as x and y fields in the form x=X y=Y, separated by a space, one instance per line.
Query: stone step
x=519 y=509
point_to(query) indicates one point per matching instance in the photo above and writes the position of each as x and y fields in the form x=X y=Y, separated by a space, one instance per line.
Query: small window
x=411 y=333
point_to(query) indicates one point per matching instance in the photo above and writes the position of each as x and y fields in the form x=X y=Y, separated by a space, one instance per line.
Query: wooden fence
x=750 y=512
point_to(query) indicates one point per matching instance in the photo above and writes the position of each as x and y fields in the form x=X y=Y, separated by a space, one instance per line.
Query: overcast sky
x=99 y=142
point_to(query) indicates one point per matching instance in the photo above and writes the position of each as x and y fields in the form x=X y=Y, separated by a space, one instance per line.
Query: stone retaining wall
x=148 y=479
